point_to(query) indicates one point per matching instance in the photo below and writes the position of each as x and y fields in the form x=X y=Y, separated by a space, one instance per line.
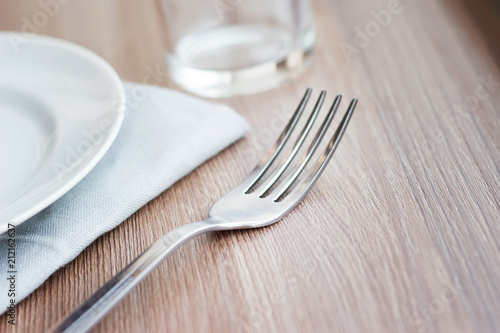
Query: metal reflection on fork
x=255 y=202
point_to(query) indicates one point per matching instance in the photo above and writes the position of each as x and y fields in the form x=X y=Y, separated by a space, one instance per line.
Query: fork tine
x=310 y=151
x=294 y=150
x=274 y=151
x=308 y=182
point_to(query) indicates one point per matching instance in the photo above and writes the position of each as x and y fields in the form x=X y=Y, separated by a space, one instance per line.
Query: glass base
x=238 y=60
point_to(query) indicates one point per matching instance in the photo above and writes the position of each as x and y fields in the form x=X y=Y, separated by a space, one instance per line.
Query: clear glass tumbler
x=222 y=48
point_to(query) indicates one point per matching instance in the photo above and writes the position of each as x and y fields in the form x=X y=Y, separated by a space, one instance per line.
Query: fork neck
x=180 y=235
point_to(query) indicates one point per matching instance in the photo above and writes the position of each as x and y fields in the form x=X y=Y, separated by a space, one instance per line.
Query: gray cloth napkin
x=164 y=136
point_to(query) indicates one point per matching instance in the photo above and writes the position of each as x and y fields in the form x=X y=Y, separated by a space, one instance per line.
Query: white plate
x=61 y=107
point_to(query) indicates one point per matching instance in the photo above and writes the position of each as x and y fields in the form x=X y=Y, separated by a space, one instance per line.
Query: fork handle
x=109 y=295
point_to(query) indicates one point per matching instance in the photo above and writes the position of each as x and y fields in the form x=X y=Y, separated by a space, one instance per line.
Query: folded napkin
x=163 y=138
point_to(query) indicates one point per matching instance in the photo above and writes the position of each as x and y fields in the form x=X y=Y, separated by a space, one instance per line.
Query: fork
x=255 y=202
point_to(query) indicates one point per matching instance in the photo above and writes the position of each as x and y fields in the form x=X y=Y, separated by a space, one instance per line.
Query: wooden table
x=401 y=234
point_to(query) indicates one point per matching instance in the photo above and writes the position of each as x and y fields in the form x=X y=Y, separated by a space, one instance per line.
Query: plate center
x=27 y=134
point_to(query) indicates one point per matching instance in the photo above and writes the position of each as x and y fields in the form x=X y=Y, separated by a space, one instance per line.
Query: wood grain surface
x=401 y=233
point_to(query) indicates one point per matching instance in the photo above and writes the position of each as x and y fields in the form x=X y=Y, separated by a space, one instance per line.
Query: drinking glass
x=222 y=48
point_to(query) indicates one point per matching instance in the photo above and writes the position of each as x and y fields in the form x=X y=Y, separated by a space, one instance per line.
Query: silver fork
x=249 y=205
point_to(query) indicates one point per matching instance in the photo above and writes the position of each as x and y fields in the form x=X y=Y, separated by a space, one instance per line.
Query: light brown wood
x=401 y=233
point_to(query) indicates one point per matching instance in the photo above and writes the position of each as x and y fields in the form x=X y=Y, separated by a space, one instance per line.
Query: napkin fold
x=164 y=136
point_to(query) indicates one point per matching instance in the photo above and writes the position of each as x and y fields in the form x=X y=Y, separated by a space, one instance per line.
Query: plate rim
x=85 y=169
